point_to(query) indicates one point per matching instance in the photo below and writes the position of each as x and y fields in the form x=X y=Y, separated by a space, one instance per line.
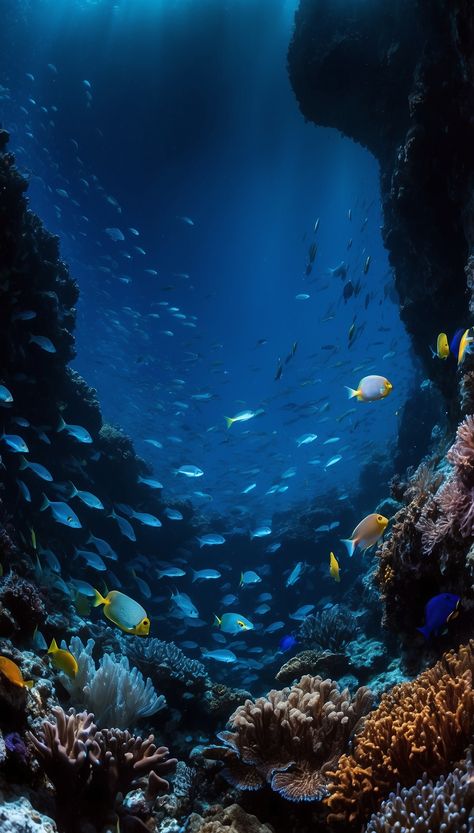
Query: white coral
x=117 y=694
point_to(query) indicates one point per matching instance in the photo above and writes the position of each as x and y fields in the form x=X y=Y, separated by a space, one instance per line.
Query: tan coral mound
x=420 y=726
x=290 y=738
x=231 y=819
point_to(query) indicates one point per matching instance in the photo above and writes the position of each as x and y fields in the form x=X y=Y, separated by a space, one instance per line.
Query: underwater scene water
x=237 y=416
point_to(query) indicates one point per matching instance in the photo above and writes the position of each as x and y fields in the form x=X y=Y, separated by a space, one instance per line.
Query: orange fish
x=366 y=533
x=10 y=670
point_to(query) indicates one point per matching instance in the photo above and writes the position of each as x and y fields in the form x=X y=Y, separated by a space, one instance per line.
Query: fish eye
x=146 y=622
x=69 y=519
x=380 y=519
x=240 y=623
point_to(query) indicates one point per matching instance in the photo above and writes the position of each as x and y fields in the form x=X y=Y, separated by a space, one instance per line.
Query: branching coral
x=117 y=693
x=93 y=769
x=420 y=726
x=164 y=662
x=290 y=738
x=328 y=630
x=443 y=807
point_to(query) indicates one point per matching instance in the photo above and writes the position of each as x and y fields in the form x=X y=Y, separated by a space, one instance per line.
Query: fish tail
x=425 y=631
x=53 y=647
x=229 y=421
x=44 y=503
x=98 y=599
x=23 y=463
x=73 y=489
x=351 y=393
x=194 y=576
x=241 y=580
x=29 y=683
x=61 y=425
x=217 y=622
x=350 y=545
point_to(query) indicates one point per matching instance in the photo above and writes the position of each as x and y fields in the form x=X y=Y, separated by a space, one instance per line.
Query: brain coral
x=290 y=738
x=420 y=726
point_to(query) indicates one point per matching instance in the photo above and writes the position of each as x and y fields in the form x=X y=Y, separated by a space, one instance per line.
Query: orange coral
x=421 y=726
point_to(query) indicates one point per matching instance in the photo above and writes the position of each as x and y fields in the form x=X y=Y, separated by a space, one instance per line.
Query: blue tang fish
x=438 y=612
x=287 y=643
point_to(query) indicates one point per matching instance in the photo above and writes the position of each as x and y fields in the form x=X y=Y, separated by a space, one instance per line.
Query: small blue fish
x=24 y=315
x=77 y=431
x=92 y=559
x=212 y=539
x=15 y=443
x=152 y=484
x=146 y=519
x=61 y=512
x=125 y=527
x=287 y=643
x=301 y=613
x=170 y=572
x=43 y=342
x=103 y=547
x=438 y=612
x=220 y=655
x=206 y=574
x=233 y=623
x=249 y=577
x=36 y=468
x=24 y=490
x=261 y=532
x=274 y=627
x=173 y=514
x=5 y=396
x=295 y=574
x=87 y=498
x=184 y=604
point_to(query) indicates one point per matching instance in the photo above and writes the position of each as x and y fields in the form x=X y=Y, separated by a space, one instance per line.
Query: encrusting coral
x=447 y=806
x=419 y=726
x=290 y=738
x=93 y=769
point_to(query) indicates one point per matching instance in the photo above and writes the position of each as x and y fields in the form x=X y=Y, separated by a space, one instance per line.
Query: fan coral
x=115 y=692
x=165 y=663
x=420 y=726
x=92 y=769
x=443 y=807
x=290 y=738
x=328 y=630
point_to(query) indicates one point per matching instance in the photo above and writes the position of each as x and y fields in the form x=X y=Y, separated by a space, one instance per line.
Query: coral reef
x=398 y=78
x=166 y=664
x=420 y=726
x=22 y=608
x=291 y=738
x=324 y=664
x=18 y=816
x=328 y=630
x=117 y=693
x=92 y=770
x=232 y=819
x=445 y=806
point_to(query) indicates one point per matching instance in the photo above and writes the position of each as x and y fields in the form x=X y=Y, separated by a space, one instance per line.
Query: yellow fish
x=124 y=612
x=63 y=660
x=466 y=340
x=442 y=347
x=10 y=670
x=366 y=533
x=333 y=567
x=370 y=388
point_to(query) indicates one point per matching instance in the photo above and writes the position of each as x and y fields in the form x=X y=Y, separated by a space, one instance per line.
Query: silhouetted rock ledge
x=398 y=78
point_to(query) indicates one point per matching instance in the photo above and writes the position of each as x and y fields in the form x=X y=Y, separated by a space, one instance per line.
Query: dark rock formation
x=398 y=78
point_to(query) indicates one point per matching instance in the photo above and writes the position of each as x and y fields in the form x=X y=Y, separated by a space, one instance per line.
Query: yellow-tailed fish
x=466 y=340
x=442 y=347
x=366 y=533
x=371 y=388
x=124 y=612
x=63 y=660
x=334 y=567
x=12 y=672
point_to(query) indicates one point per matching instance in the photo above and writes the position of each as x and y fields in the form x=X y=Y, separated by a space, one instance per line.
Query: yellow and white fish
x=371 y=388
x=366 y=533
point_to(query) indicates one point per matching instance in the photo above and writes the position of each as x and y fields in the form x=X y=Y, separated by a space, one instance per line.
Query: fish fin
x=53 y=647
x=425 y=631
x=99 y=600
x=23 y=463
x=433 y=352
x=351 y=393
x=194 y=576
x=73 y=489
x=44 y=503
x=61 y=425
x=29 y=683
x=350 y=545
x=241 y=580
x=229 y=421
x=217 y=622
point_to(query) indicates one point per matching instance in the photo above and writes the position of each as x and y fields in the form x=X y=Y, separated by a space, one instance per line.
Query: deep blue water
x=187 y=112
